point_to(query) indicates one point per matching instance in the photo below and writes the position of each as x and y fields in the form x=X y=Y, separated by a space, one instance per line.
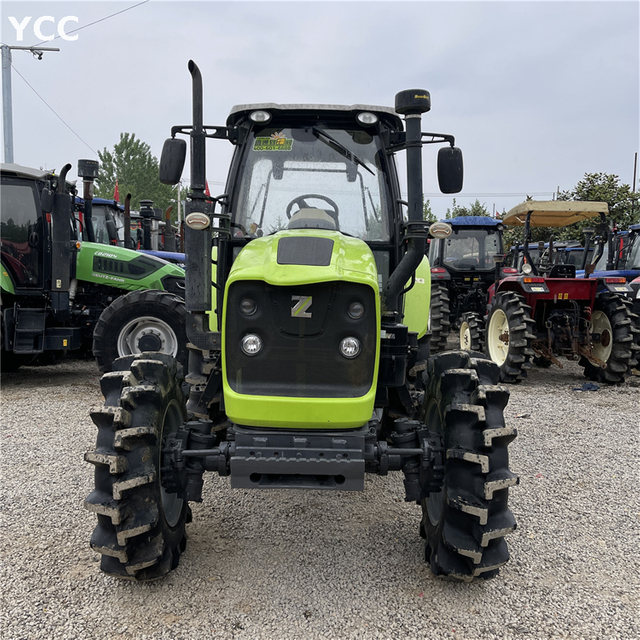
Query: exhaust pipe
x=197 y=241
x=127 y=221
x=411 y=103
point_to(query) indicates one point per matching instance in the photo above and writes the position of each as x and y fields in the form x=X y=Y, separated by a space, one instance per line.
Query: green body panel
x=351 y=261
x=213 y=318
x=418 y=299
x=122 y=268
x=6 y=282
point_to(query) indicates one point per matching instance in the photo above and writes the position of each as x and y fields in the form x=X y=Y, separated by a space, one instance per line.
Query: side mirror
x=112 y=230
x=450 y=169
x=174 y=153
x=46 y=200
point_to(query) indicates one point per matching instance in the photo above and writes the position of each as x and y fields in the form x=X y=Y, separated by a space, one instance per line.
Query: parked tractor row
x=62 y=293
x=539 y=309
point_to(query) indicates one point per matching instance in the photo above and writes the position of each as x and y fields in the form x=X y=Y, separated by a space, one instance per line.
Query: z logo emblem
x=299 y=309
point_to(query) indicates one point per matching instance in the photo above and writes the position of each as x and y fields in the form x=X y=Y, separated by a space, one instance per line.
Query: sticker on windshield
x=276 y=142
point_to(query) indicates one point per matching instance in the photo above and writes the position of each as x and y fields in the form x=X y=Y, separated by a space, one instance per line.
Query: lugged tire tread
x=469 y=541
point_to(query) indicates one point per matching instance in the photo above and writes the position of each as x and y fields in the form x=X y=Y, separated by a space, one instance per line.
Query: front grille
x=300 y=356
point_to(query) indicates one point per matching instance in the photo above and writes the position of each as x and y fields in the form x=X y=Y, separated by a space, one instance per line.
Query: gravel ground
x=292 y=565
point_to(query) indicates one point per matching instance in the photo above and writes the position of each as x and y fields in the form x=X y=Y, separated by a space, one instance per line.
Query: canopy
x=554 y=213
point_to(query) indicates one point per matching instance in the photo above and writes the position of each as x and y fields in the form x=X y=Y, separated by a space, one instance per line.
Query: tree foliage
x=427 y=214
x=624 y=205
x=132 y=164
x=476 y=209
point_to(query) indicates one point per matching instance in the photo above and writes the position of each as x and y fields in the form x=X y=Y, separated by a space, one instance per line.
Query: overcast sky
x=536 y=93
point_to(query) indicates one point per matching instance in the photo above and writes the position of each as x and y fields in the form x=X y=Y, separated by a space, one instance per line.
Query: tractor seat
x=312 y=218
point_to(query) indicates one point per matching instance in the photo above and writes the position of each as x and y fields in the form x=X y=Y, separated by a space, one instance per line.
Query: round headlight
x=260 y=116
x=248 y=307
x=356 y=310
x=350 y=347
x=251 y=344
x=526 y=268
x=367 y=118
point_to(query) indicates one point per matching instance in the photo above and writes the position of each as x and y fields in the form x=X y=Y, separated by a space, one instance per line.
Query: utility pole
x=7 y=109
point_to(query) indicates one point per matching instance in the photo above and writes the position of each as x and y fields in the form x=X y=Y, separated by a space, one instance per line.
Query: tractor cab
x=327 y=168
x=464 y=264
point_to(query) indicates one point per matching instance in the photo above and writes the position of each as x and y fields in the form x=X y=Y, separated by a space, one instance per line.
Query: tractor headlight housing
x=350 y=347
x=251 y=344
x=260 y=117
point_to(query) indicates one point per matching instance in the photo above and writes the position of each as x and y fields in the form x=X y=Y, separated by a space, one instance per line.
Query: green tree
x=132 y=164
x=427 y=214
x=624 y=205
x=476 y=209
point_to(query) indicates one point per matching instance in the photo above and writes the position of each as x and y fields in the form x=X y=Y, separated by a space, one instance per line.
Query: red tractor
x=545 y=311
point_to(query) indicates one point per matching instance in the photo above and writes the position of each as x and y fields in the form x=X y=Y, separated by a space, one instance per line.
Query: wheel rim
x=465 y=336
x=498 y=336
x=171 y=503
x=150 y=330
x=604 y=346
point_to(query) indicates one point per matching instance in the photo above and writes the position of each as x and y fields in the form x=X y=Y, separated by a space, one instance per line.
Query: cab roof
x=20 y=171
x=473 y=221
x=553 y=213
x=240 y=111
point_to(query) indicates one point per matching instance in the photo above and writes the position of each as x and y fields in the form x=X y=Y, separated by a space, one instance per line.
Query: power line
x=117 y=13
x=59 y=36
x=53 y=111
x=490 y=195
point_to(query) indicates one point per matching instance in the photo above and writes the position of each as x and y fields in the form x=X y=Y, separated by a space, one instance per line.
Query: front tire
x=439 y=322
x=509 y=335
x=141 y=321
x=611 y=321
x=471 y=332
x=141 y=528
x=466 y=521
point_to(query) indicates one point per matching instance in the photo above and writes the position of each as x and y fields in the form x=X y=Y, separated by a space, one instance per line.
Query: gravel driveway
x=301 y=565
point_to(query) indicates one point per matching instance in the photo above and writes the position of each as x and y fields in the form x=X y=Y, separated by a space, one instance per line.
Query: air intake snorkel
x=411 y=103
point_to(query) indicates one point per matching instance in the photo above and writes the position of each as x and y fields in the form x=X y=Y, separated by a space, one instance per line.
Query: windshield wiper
x=340 y=148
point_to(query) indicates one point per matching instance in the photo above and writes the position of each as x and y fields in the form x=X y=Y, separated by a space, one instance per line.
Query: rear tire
x=611 y=319
x=465 y=522
x=439 y=318
x=471 y=332
x=509 y=335
x=141 y=529
x=138 y=322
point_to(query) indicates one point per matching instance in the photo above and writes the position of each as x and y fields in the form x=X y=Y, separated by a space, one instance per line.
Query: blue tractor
x=463 y=267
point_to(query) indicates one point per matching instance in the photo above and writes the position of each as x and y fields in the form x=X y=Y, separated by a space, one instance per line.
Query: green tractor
x=308 y=357
x=60 y=294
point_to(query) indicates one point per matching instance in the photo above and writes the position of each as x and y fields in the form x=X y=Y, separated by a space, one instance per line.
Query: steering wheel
x=302 y=204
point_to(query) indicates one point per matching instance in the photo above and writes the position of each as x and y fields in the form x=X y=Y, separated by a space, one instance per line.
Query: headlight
x=260 y=116
x=526 y=268
x=251 y=344
x=350 y=347
x=367 y=118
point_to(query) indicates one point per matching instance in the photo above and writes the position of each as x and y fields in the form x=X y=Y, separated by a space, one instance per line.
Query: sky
x=537 y=94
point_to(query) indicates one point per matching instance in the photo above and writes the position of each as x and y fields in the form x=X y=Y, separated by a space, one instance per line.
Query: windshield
x=468 y=249
x=322 y=178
